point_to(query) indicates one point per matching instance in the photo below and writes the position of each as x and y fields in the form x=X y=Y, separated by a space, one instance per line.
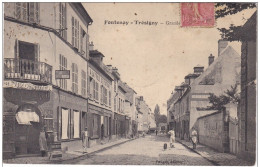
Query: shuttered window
x=75 y=32
x=63 y=20
x=28 y=12
x=63 y=66
x=74 y=78
x=83 y=83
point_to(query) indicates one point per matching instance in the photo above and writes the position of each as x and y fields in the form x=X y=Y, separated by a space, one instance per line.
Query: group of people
x=194 y=137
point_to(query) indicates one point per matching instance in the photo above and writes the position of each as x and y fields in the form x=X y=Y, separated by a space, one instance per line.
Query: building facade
x=100 y=96
x=37 y=44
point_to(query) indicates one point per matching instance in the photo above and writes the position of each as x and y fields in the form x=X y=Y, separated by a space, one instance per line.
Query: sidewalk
x=69 y=155
x=217 y=158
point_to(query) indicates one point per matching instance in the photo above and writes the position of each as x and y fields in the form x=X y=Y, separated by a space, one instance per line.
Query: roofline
x=82 y=11
x=92 y=62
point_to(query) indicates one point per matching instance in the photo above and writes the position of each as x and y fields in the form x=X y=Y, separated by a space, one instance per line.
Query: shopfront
x=23 y=117
x=120 y=123
x=100 y=124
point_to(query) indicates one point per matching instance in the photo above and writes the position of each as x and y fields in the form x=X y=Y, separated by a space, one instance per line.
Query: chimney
x=198 y=69
x=222 y=44
x=211 y=59
x=109 y=67
x=91 y=46
x=187 y=79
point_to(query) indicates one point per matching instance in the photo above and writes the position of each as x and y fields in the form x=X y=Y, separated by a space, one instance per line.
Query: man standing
x=194 y=138
x=85 y=140
x=172 y=137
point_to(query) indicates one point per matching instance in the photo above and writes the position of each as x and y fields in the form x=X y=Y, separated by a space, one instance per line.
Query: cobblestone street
x=144 y=151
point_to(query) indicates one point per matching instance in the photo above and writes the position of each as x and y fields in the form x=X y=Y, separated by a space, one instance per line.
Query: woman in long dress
x=85 y=140
x=172 y=137
x=43 y=142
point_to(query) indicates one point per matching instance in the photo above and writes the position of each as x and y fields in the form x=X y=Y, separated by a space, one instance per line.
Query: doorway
x=27 y=128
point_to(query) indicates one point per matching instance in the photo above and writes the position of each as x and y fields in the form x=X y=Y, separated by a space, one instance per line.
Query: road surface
x=144 y=151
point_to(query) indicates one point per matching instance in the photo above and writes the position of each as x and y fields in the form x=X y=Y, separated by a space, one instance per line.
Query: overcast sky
x=154 y=59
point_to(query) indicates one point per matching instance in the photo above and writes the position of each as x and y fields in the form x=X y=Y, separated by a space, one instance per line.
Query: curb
x=88 y=154
x=195 y=151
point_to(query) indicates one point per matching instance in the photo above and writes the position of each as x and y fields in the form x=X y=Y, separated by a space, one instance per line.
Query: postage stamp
x=197 y=15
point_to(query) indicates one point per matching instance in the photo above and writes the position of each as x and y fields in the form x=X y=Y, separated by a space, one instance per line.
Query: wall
x=210 y=130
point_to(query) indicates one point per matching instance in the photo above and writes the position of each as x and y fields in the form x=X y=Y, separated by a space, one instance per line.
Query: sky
x=154 y=59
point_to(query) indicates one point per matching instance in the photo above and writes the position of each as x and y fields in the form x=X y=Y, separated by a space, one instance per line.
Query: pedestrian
x=85 y=140
x=156 y=132
x=43 y=142
x=194 y=137
x=172 y=137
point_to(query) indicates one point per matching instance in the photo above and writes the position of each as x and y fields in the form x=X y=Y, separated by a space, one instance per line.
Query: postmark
x=197 y=15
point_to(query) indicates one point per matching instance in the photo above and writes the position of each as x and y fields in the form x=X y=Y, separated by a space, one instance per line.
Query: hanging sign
x=62 y=74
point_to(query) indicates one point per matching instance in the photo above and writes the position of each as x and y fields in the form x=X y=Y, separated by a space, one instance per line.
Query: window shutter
x=65 y=20
x=37 y=12
x=73 y=37
x=18 y=11
x=87 y=46
x=78 y=33
x=24 y=11
x=31 y=12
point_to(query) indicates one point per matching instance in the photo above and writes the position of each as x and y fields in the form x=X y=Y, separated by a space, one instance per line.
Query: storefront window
x=65 y=123
x=76 y=124
x=95 y=125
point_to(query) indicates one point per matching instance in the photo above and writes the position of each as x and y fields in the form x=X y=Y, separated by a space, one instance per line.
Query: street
x=144 y=151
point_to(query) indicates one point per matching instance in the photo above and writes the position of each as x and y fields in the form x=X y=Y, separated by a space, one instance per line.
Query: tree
x=157 y=114
x=233 y=33
x=219 y=102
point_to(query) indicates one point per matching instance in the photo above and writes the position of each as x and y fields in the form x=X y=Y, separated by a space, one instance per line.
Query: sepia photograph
x=129 y=83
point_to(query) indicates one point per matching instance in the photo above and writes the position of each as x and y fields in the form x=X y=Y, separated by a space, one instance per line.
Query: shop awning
x=25 y=117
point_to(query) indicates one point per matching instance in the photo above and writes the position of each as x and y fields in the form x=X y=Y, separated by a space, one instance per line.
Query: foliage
x=234 y=33
x=219 y=102
x=225 y=9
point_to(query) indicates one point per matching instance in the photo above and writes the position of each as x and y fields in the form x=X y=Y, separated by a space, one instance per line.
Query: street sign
x=62 y=74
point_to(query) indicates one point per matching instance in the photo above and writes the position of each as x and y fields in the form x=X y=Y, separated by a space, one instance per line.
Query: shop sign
x=27 y=86
x=62 y=74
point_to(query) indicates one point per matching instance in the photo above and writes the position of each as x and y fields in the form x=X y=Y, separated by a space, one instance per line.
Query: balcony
x=23 y=69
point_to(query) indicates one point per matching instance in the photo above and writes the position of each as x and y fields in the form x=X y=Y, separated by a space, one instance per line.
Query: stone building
x=37 y=44
x=192 y=102
x=100 y=114
x=130 y=109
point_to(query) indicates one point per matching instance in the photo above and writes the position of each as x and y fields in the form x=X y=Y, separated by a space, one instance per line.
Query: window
x=95 y=125
x=83 y=46
x=109 y=98
x=115 y=104
x=74 y=78
x=96 y=90
x=83 y=83
x=28 y=12
x=76 y=125
x=115 y=86
x=63 y=20
x=101 y=94
x=91 y=88
x=64 y=123
x=105 y=96
x=75 y=32
x=63 y=66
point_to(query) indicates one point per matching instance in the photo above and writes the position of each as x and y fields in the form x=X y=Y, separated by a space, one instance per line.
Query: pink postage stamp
x=197 y=15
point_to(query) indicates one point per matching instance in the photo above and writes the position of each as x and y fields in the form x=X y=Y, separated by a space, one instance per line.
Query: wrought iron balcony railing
x=27 y=70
